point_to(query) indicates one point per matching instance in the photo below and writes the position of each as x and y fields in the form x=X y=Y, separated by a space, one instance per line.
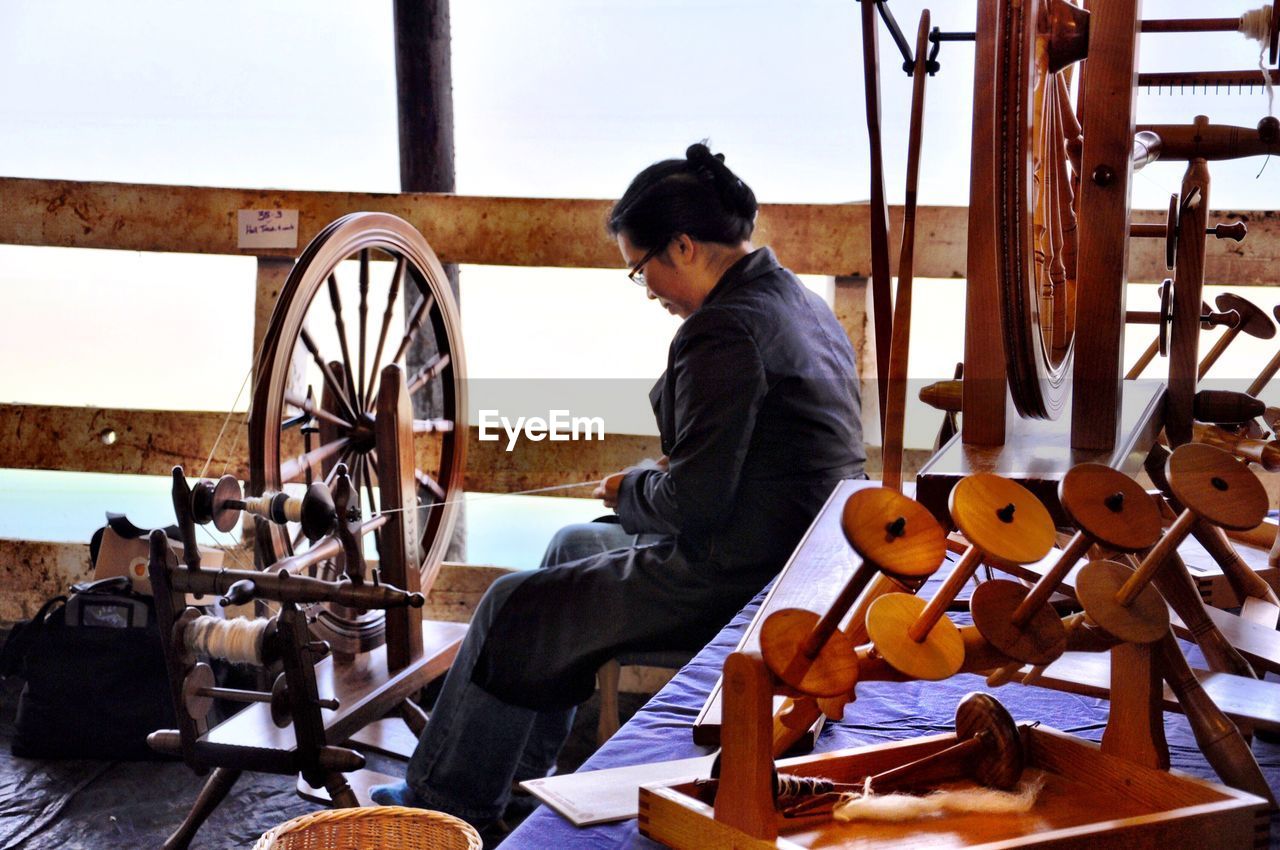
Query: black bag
x=95 y=686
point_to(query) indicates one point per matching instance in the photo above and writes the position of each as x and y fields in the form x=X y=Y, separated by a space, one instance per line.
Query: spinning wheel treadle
x=1036 y=178
x=320 y=369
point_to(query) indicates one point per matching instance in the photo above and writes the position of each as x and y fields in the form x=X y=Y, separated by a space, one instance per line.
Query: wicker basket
x=372 y=828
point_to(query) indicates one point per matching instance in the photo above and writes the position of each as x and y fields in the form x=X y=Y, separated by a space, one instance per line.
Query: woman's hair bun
x=736 y=196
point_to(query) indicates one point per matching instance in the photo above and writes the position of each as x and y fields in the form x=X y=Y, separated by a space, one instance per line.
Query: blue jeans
x=475 y=746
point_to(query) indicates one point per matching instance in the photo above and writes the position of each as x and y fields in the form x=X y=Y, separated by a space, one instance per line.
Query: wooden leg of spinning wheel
x=1219 y=739
x=1135 y=727
x=414 y=717
x=214 y=792
x=340 y=792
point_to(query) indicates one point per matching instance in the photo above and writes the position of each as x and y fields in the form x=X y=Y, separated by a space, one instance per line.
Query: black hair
x=697 y=195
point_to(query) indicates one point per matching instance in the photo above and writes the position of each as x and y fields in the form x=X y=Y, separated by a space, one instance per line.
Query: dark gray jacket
x=760 y=415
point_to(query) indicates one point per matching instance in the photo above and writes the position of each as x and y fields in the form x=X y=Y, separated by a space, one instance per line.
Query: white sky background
x=563 y=98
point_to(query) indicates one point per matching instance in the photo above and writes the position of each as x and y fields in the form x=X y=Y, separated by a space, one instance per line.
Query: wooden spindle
x=1005 y=523
x=896 y=537
x=1110 y=509
x=1212 y=485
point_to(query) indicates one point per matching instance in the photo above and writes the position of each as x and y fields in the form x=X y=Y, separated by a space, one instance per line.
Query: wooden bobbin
x=895 y=536
x=1004 y=522
x=1109 y=508
x=1211 y=485
x=221 y=504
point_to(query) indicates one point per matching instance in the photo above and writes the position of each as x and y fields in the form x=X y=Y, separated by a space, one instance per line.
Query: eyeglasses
x=636 y=275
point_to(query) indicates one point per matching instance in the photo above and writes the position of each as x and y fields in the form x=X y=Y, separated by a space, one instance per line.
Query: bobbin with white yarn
x=1255 y=24
x=239 y=641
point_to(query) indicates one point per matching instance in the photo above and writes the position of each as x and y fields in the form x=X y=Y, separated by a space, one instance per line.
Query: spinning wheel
x=318 y=391
x=1036 y=174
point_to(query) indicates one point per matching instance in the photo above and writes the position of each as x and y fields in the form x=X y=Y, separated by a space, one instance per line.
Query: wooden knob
x=1236 y=231
x=1227 y=407
x=944 y=395
x=217 y=503
x=281 y=706
x=318 y=514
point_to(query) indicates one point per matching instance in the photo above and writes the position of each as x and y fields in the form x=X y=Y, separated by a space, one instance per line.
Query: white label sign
x=267 y=229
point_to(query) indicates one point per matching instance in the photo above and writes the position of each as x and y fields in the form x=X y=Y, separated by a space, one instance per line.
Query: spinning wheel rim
x=1032 y=97
x=346 y=239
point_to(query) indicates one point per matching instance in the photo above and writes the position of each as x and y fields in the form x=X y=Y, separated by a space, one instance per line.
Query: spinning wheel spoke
x=414 y=325
x=292 y=470
x=370 y=464
x=335 y=301
x=428 y=483
x=428 y=372
x=428 y=426
x=364 y=319
x=397 y=280
x=330 y=381
x=309 y=407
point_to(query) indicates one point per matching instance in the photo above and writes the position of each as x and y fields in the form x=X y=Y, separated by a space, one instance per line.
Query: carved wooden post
x=398 y=489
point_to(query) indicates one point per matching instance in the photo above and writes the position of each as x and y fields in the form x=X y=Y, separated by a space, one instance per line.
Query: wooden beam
x=810 y=238
x=32 y=572
x=565 y=233
x=152 y=442
x=851 y=302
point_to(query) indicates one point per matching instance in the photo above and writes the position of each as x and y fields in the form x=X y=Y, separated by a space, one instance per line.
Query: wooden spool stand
x=384 y=652
x=1115 y=797
x=1089 y=797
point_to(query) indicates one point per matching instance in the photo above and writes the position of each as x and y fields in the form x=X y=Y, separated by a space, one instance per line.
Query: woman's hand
x=607 y=489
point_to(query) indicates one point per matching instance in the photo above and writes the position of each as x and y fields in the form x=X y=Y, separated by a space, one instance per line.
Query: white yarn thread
x=238 y=640
x=1256 y=24
x=902 y=807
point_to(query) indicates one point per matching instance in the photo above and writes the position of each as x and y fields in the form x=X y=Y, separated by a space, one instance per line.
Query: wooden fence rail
x=830 y=239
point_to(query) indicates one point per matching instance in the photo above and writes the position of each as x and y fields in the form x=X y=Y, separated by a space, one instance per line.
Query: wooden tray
x=1089 y=800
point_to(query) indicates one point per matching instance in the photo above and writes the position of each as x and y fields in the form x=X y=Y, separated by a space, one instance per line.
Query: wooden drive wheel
x=1036 y=174
x=317 y=385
